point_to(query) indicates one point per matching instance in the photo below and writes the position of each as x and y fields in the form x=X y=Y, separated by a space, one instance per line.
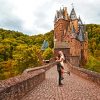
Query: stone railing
x=16 y=87
x=45 y=67
x=84 y=73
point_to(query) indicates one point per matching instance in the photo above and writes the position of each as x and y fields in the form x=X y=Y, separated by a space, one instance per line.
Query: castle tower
x=61 y=27
x=61 y=23
x=83 y=38
x=70 y=37
x=74 y=19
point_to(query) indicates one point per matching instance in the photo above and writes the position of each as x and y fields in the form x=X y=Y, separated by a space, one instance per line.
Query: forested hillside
x=94 y=47
x=94 y=39
x=19 y=51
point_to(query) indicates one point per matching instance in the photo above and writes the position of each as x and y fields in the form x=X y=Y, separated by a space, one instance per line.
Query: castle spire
x=81 y=35
x=80 y=21
x=61 y=13
x=55 y=19
x=73 y=15
x=73 y=31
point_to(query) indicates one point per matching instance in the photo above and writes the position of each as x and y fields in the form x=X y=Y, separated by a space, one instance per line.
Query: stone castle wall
x=60 y=29
x=75 y=48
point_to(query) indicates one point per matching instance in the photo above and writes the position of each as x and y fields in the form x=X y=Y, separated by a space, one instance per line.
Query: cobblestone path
x=74 y=88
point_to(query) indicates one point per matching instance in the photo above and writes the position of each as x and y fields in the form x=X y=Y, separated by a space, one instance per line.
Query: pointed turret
x=80 y=21
x=81 y=35
x=74 y=19
x=57 y=14
x=81 y=25
x=73 y=32
x=55 y=19
x=45 y=45
x=73 y=15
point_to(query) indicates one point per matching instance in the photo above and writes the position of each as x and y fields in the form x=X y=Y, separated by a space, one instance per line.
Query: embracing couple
x=60 y=66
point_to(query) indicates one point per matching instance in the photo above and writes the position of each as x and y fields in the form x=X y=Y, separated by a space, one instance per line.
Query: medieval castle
x=70 y=37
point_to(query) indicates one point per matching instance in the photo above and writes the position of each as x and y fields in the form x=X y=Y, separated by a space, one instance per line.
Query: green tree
x=19 y=51
x=49 y=37
x=47 y=54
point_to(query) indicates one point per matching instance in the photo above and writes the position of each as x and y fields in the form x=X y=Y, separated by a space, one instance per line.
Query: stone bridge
x=42 y=84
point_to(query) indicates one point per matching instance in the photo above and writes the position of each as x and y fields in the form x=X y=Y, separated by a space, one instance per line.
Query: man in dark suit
x=59 y=69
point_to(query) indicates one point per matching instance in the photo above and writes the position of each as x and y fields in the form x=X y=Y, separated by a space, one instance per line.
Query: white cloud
x=36 y=16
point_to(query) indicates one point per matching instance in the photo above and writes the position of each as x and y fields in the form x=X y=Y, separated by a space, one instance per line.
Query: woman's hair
x=61 y=54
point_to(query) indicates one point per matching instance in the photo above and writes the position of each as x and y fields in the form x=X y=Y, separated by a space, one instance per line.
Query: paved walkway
x=74 y=88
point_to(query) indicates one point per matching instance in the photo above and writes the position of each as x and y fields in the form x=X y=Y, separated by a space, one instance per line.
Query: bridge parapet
x=45 y=67
x=84 y=73
x=15 y=88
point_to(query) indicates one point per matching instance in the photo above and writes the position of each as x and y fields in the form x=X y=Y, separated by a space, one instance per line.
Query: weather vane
x=72 y=5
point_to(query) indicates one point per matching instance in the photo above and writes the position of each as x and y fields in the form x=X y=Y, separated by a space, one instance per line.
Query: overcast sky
x=37 y=16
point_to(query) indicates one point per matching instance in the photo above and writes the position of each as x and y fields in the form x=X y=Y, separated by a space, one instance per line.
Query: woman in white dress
x=62 y=58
